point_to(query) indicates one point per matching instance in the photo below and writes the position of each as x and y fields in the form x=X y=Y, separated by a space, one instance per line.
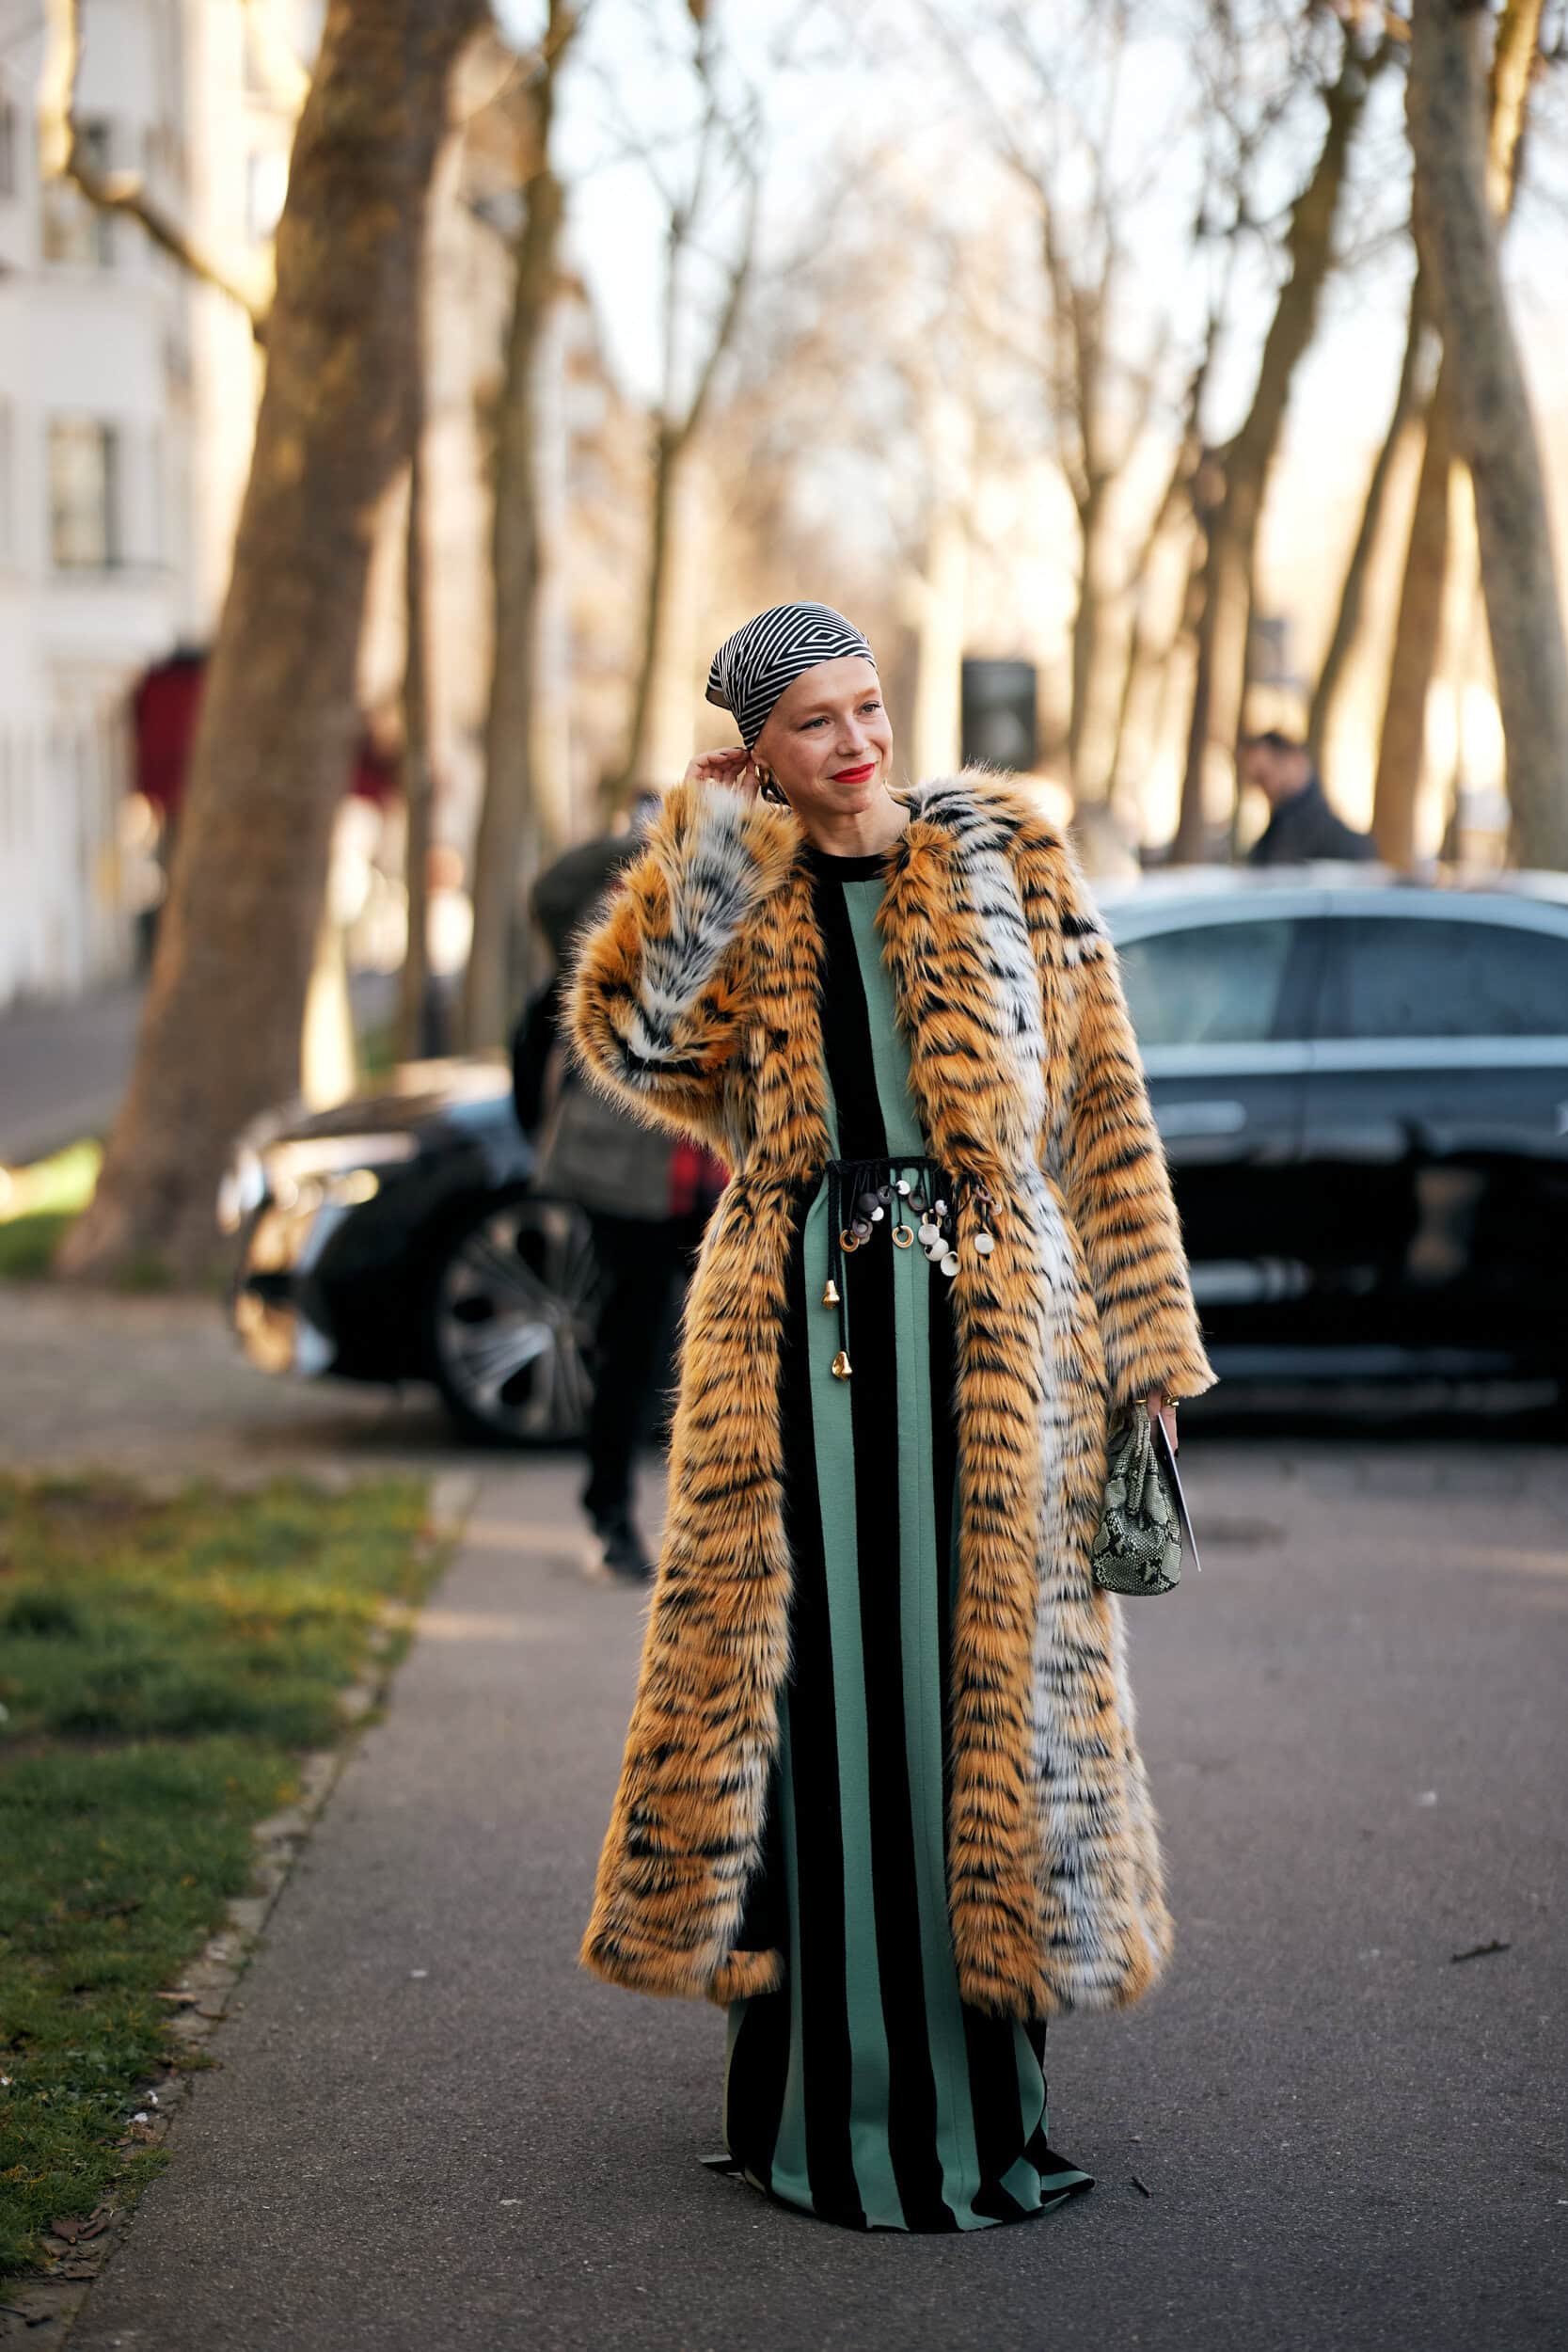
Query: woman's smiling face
x=828 y=741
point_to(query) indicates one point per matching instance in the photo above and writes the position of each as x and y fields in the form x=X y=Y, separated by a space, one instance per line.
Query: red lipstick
x=855 y=775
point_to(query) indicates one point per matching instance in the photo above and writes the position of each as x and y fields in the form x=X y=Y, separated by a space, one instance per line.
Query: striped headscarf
x=752 y=669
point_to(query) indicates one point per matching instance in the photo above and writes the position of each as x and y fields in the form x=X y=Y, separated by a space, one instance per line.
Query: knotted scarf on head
x=752 y=669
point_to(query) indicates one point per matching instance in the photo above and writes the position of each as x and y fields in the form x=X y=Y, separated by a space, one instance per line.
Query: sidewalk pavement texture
x=63 y=1069
x=429 y=2129
x=64 y=1065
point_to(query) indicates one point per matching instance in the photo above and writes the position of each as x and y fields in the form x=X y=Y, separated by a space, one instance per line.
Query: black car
x=1362 y=1088
x=397 y=1238
x=1363 y=1091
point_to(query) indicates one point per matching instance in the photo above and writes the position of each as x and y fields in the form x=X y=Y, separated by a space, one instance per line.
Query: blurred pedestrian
x=647 y=1196
x=883 y=1724
x=1302 y=826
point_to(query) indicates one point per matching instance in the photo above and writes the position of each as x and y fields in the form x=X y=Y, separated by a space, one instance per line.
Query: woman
x=881 y=1792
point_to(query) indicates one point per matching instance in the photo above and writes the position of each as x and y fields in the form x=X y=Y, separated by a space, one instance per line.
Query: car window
x=1416 y=978
x=1208 y=983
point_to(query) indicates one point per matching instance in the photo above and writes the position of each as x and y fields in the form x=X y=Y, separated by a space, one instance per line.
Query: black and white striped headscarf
x=752 y=669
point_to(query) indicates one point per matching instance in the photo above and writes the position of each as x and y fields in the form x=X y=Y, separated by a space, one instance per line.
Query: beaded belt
x=864 y=1194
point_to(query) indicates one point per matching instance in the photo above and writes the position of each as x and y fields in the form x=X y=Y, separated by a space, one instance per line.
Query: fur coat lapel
x=696 y=999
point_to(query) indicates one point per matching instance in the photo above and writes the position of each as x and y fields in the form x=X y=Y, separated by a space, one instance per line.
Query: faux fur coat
x=696 y=1000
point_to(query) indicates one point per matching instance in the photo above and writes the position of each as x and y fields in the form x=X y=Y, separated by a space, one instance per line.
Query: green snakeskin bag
x=1137 y=1548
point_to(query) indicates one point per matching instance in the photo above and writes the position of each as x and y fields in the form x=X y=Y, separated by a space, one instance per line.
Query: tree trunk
x=1493 y=427
x=419 y=783
x=936 y=723
x=667 y=449
x=1409 y=401
x=1145 y=673
x=1215 y=579
x=1465 y=645
x=220 y=1035
x=520 y=824
x=1220 y=681
x=679 y=421
x=1145 y=685
x=1417 y=636
x=328 y=1063
x=1087 y=754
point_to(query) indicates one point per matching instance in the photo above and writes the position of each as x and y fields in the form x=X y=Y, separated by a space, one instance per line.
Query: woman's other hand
x=731 y=766
x=1160 y=1411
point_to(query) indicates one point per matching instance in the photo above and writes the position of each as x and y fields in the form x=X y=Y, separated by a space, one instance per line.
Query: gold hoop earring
x=766 y=788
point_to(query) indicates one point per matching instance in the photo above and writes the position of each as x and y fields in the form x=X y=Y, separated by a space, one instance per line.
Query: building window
x=75 y=231
x=84 y=494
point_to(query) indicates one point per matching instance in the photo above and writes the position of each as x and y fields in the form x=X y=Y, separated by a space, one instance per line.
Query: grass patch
x=38 y=1203
x=164 y=1661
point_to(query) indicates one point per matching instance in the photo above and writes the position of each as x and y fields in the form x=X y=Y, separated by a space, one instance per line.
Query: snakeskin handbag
x=1138 y=1547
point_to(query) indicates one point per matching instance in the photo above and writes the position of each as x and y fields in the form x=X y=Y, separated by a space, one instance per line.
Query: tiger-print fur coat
x=695 y=1001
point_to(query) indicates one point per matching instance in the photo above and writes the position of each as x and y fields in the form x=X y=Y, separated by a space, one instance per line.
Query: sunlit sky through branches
x=859 y=106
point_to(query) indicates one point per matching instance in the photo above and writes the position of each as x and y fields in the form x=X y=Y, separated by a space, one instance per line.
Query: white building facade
x=126 y=405
x=128 y=393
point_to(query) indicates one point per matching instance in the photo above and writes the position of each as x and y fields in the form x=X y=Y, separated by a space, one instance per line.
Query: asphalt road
x=429 y=2129
x=63 y=1069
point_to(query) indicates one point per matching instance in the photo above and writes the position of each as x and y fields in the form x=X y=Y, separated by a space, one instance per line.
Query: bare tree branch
x=62 y=155
x=725 y=131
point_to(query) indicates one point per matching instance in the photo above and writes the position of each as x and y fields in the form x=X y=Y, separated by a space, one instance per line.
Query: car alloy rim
x=514 y=1318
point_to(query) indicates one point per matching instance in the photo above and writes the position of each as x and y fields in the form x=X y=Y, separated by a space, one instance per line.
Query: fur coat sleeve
x=658 y=1003
x=1101 y=1145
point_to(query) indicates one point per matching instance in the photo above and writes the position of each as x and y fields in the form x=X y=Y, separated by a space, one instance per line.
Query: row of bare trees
x=341 y=418
x=1461 y=396
x=1465 y=183
x=1114 y=314
x=1283 y=97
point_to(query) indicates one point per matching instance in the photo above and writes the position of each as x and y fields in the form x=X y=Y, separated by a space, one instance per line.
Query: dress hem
x=1069 y=2183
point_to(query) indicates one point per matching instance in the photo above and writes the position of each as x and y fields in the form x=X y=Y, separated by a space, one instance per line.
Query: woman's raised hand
x=731 y=766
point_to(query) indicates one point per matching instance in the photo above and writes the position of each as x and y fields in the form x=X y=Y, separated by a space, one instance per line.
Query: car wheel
x=512 y=1319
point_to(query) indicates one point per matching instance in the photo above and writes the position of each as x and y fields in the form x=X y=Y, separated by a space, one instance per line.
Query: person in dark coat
x=646 y=1196
x=1302 y=826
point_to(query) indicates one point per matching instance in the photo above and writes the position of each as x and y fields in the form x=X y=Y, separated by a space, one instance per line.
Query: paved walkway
x=64 y=1066
x=63 y=1069
x=158 y=1386
x=429 y=2132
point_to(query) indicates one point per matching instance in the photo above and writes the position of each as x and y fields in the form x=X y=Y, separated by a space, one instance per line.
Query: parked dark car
x=1363 y=1088
x=397 y=1238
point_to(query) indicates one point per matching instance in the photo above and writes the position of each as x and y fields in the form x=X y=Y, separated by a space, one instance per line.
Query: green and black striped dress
x=865 y=2091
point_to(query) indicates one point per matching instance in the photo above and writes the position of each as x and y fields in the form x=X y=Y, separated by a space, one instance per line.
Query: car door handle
x=1200 y=1118
x=1562 y=1119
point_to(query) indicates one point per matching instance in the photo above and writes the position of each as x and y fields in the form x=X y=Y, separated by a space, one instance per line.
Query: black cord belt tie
x=915 y=1202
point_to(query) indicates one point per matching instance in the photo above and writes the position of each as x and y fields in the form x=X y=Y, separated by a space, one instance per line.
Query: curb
x=203 y=1994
